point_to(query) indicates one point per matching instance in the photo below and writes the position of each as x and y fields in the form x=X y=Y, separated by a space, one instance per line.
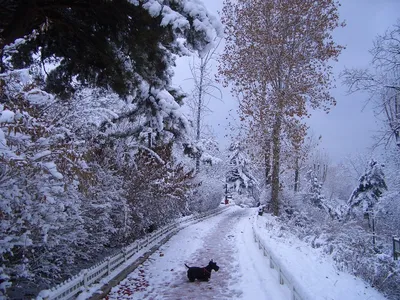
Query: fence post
x=85 y=279
x=108 y=266
x=280 y=277
x=271 y=264
x=124 y=252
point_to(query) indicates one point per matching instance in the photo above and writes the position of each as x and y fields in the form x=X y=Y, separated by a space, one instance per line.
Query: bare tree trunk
x=150 y=142
x=397 y=120
x=296 y=176
x=202 y=64
x=276 y=154
x=324 y=173
x=267 y=164
x=204 y=86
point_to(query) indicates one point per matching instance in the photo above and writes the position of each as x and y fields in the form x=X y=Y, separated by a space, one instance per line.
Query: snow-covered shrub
x=84 y=133
x=208 y=183
x=156 y=191
x=40 y=204
x=388 y=214
x=207 y=194
x=245 y=200
x=208 y=187
x=353 y=252
x=340 y=182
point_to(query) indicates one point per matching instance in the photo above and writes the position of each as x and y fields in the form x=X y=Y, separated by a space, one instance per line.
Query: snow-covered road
x=227 y=239
x=244 y=271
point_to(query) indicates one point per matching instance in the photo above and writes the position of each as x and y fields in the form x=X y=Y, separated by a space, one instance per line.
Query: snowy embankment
x=244 y=271
x=311 y=270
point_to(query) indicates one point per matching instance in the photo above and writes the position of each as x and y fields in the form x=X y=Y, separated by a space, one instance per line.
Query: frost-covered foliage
x=348 y=246
x=340 y=181
x=91 y=133
x=239 y=176
x=315 y=190
x=40 y=209
x=388 y=206
x=348 y=241
x=315 y=196
x=319 y=214
x=370 y=188
x=392 y=166
x=210 y=153
x=156 y=192
x=210 y=179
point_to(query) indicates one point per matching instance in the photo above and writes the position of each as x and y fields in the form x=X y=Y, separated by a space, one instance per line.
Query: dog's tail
x=187 y=266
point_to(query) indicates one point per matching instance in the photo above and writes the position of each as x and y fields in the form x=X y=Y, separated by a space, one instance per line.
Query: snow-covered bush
x=209 y=181
x=207 y=194
x=157 y=192
x=349 y=243
x=88 y=118
x=40 y=207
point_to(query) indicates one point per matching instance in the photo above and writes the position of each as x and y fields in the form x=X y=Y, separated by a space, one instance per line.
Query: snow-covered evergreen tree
x=370 y=188
x=239 y=177
x=316 y=196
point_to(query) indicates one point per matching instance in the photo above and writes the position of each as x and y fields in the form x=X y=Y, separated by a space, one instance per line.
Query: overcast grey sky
x=350 y=126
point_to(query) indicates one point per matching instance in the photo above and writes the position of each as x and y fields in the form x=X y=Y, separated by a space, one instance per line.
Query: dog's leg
x=191 y=275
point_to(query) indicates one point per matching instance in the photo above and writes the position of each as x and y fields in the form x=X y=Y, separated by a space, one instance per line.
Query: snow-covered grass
x=311 y=268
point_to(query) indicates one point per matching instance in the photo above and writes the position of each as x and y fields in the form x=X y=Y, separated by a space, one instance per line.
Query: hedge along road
x=227 y=239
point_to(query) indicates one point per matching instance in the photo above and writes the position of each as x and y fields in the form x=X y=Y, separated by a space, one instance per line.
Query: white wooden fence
x=81 y=282
x=284 y=276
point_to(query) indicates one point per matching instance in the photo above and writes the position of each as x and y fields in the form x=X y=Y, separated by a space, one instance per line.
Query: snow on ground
x=244 y=271
x=313 y=271
x=225 y=238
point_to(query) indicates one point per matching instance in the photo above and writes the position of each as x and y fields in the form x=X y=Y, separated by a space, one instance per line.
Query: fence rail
x=81 y=282
x=284 y=277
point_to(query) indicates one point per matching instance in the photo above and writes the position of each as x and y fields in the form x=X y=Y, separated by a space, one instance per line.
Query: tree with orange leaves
x=277 y=57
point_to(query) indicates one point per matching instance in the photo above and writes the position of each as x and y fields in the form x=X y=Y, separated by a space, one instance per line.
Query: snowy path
x=227 y=238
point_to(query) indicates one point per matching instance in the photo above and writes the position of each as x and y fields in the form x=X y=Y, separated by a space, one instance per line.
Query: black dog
x=203 y=274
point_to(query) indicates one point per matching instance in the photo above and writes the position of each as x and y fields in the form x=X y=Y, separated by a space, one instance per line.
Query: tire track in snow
x=219 y=245
x=228 y=240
